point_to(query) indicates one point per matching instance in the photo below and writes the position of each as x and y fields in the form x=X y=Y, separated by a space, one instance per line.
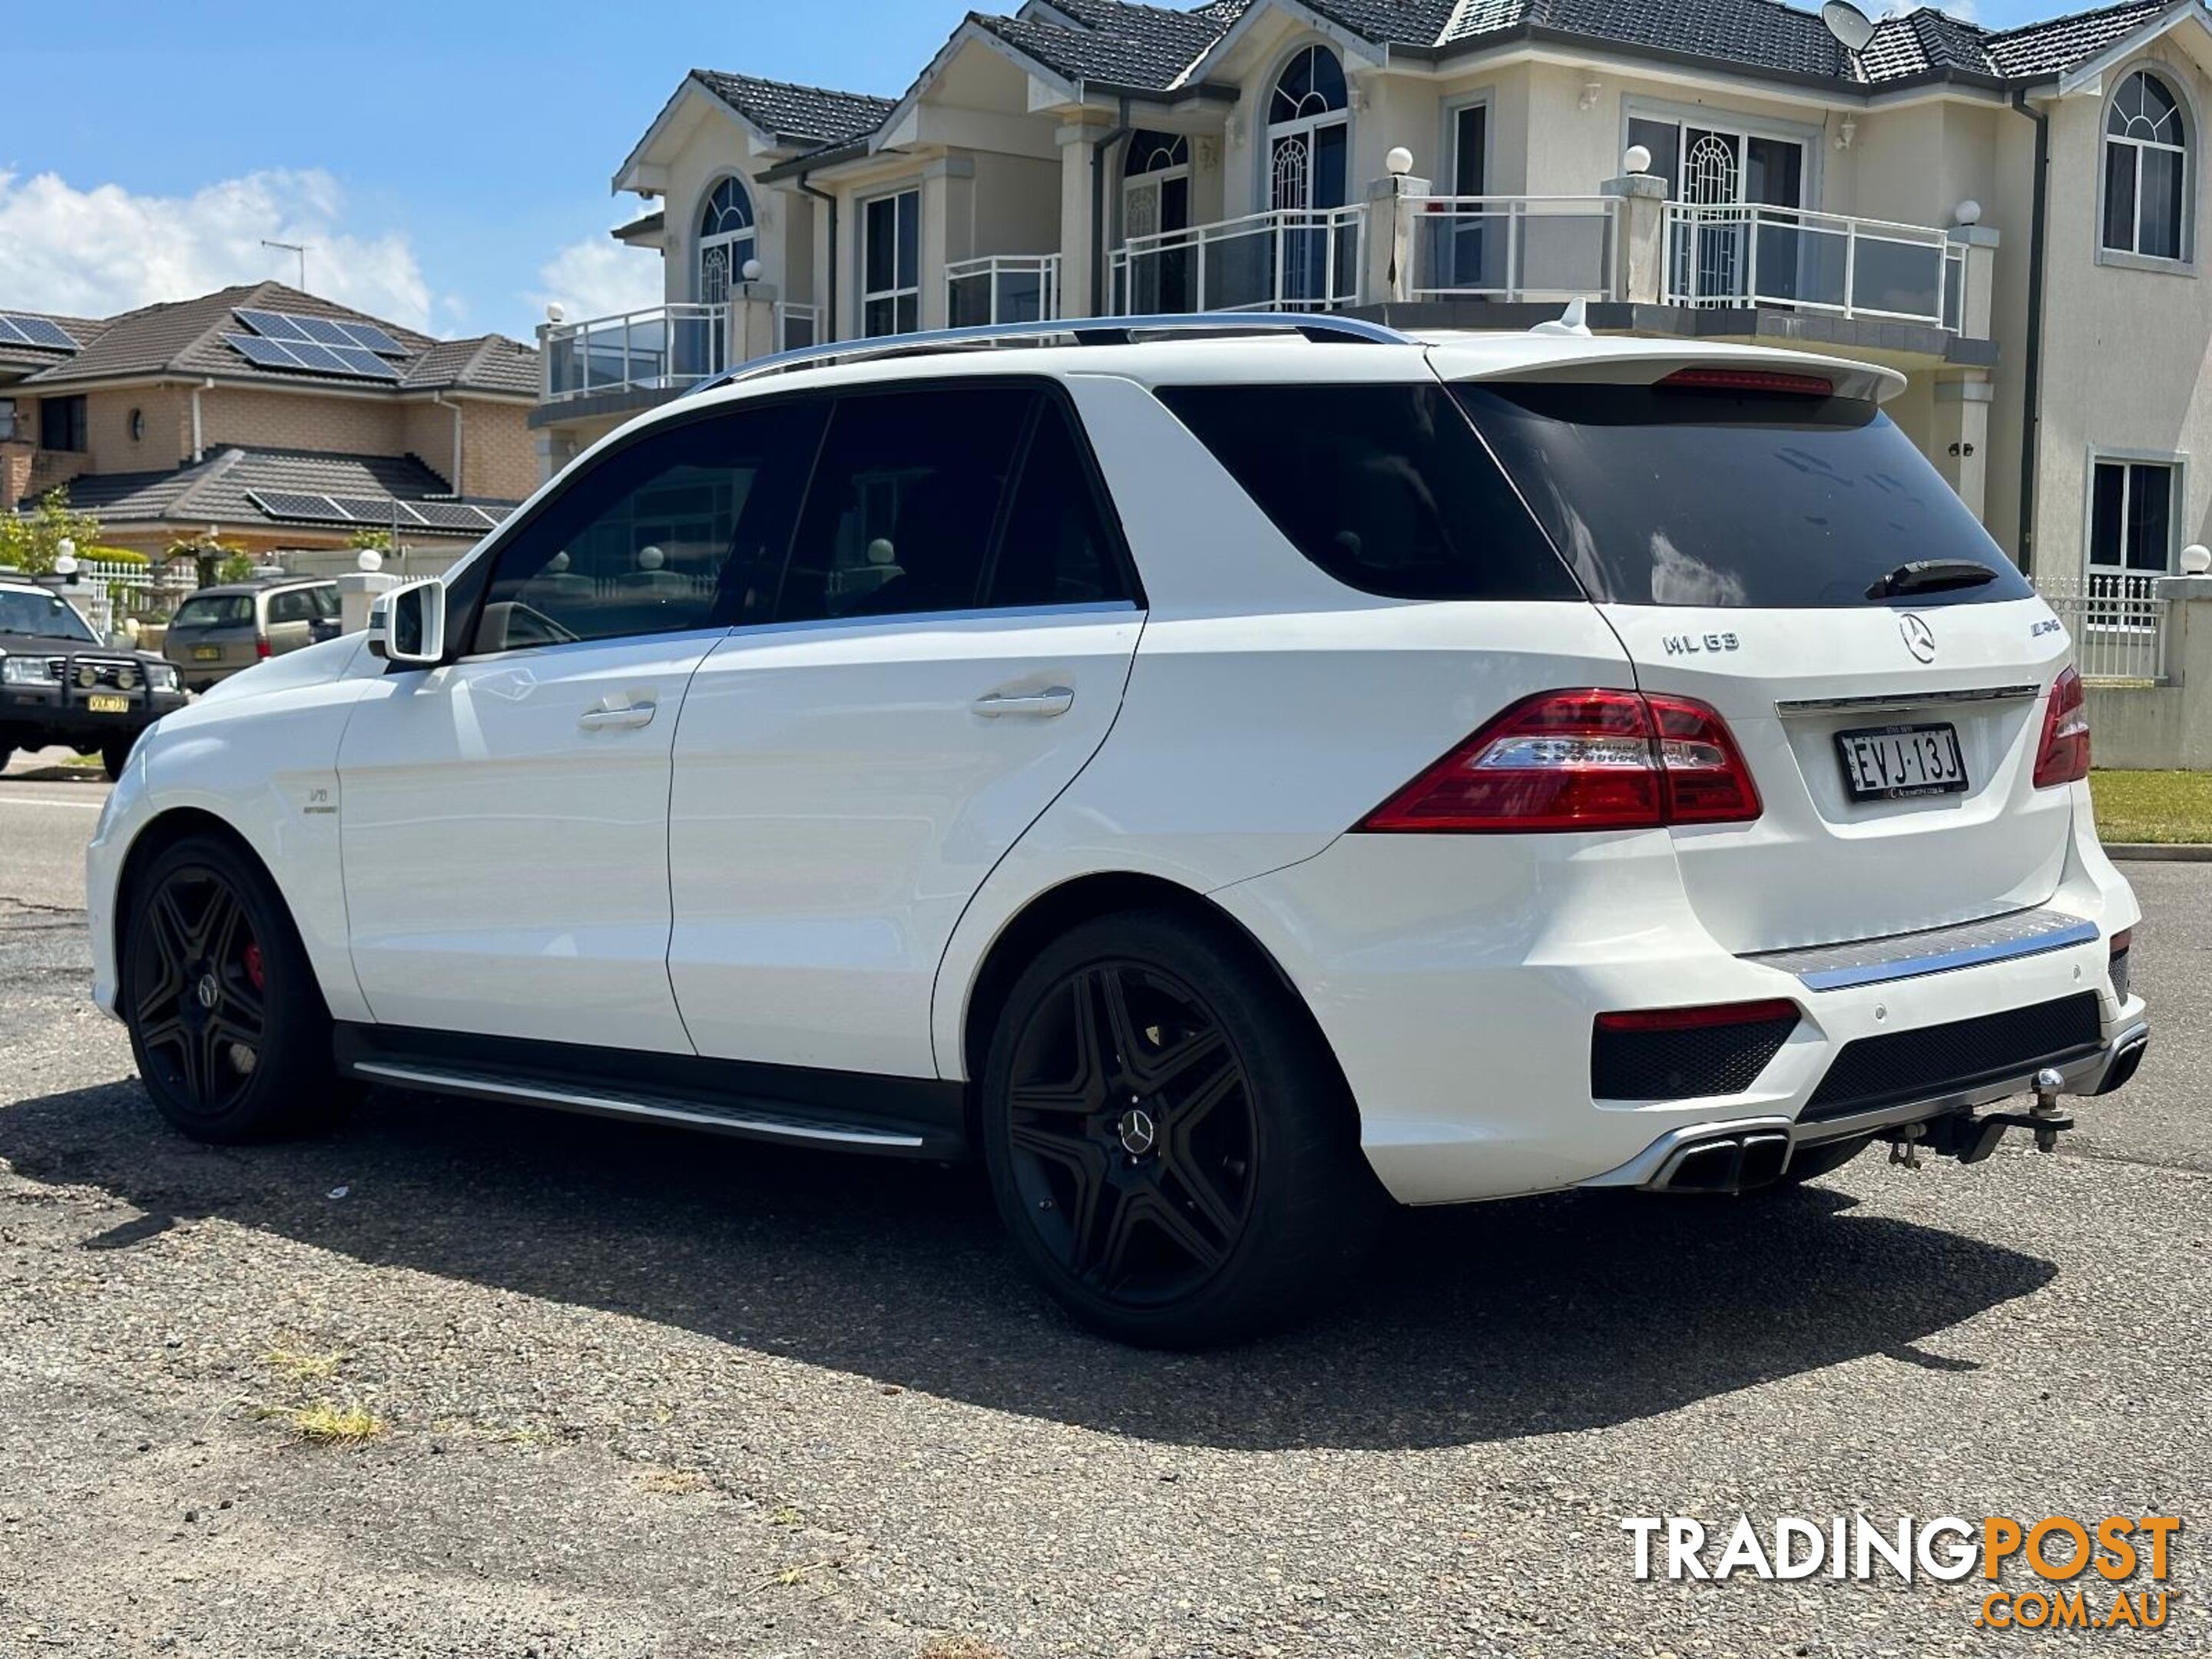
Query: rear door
x=950 y=644
x=1792 y=560
x=213 y=634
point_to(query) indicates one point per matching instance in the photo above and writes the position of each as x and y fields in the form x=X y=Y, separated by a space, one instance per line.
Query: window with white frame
x=891 y=264
x=726 y=241
x=2146 y=170
x=2131 y=518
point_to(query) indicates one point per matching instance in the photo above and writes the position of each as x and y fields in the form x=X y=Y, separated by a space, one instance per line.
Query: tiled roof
x=814 y=115
x=185 y=336
x=217 y=490
x=1112 y=41
x=2060 y=42
x=1761 y=34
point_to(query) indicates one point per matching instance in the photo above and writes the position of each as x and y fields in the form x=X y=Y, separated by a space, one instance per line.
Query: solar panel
x=370 y=509
x=35 y=331
x=369 y=335
x=270 y=354
x=364 y=363
x=295 y=504
x=273 y=325
x=322 y=331
x=451 y=515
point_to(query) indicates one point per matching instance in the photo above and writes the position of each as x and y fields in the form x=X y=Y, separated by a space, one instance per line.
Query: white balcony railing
x=1286 y=260
x=1514 y=247
x=664 y=349
x=1757 y=255
x=1002 y=287
x=2117 y=620
x=797 y=325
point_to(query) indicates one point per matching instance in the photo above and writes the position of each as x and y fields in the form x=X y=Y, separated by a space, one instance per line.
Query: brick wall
x=166 y=415
x=14 y=471
x=499 y=452
x=426 y=430
x=279 y=420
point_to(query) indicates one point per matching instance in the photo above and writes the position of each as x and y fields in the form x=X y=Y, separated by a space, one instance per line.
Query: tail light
x=1704 y=1018
x=1595 y=759
x=1749 y=380
x=2063 y=756
x=261 y=647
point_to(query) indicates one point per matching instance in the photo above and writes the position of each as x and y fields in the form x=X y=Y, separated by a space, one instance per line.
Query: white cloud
x=93 y=253
x=600 y=277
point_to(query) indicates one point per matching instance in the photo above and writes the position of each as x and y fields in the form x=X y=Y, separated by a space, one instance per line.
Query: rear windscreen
x=215 y=610
x=1386 y=487
x=1703 y=497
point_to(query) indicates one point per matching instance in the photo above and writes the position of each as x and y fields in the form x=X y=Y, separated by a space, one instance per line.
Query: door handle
x=611 y=715
x=1039 y=705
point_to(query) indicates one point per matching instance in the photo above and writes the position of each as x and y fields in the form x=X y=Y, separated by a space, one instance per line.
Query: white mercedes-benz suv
x=1223 y=775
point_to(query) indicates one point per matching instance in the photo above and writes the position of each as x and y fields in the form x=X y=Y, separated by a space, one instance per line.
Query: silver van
x=219 y=630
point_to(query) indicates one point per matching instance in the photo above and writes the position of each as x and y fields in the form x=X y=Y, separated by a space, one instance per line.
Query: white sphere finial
x=1399 y=161
x=1968 y=212
x=751 y=271
x=2195 y=559
x=369 y=559
x=1637 y=160
x=555 y=313
x=65 y=557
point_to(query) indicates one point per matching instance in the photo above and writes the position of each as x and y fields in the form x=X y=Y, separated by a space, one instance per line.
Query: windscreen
x=1658 y=496
x=215 y=610
x=41 y=614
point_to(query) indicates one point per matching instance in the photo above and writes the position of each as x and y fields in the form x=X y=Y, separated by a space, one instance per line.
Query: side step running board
x=739 y=1118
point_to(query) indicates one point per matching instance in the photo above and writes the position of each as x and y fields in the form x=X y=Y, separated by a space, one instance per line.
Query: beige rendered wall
x=2124 y=349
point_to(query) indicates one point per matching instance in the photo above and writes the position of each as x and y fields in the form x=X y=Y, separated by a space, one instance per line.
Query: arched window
x=1309 y=135
x=726 y=241
x=1311 y=83
x=1155 y=212
x=2146 y=170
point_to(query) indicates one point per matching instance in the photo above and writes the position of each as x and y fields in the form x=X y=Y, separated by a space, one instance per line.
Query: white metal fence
x=1002 y=287
x=663 y=348
x=108 y=595
x=2118 y=621
x=1514 y=247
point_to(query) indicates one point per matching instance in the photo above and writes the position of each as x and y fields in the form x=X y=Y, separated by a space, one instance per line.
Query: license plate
x=100 y=704
x=1895 y=762
x=207 y=653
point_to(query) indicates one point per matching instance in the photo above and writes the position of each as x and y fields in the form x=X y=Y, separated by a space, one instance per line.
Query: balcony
x=1515 y=248
x=667 y=348
x=1286 y=260
x=1021 y=288
x=1756 y=255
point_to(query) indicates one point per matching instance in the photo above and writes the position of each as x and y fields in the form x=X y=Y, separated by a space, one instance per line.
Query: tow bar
x=1969 y=1139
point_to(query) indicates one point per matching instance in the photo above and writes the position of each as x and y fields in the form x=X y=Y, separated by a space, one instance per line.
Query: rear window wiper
x=1931 y=576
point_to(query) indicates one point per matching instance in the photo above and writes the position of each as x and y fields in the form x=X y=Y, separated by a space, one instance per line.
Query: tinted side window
x=905 y=502
x=1056 y=549
x=1386 y=487
x=684 y=528
x=292 y=605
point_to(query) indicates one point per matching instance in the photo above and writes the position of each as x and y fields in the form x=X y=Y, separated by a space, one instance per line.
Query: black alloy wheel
x=196 y=997
x=227 y=1022
x=1167 y=1136
x=1133 y=1138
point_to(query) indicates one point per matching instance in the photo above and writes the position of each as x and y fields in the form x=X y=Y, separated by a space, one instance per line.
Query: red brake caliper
x=253 y=962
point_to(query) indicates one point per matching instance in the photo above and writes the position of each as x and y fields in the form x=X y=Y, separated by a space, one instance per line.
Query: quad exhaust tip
x=1726 y=1164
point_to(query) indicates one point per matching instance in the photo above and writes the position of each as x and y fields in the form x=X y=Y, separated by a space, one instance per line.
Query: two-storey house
x=2010 y=216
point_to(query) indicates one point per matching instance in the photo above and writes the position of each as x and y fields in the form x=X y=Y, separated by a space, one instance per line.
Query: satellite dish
x=1852 y=28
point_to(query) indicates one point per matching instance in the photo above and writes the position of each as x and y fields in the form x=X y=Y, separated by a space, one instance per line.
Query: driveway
x=647 y=1394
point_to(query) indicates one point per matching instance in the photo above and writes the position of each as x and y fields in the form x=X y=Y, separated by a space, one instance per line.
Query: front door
x=504 y=817
x=954 y=633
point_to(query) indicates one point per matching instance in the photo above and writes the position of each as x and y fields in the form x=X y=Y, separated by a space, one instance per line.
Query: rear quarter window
x=1386 y=487
x=1725 y=499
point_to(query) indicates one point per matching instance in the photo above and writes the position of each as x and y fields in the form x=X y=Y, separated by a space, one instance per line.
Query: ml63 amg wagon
x=1224 y=774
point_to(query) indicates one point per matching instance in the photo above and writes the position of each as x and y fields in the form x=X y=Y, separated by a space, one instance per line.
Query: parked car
x=1224 y=784
x=60 y=684
x=219 y=630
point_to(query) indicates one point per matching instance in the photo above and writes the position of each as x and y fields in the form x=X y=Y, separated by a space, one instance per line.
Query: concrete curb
x=2159 y=852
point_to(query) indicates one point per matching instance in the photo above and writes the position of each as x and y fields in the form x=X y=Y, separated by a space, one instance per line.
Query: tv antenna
x=300 y=248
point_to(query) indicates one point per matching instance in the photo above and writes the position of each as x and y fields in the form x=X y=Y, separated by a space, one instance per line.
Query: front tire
x=227 y=1021
x=1169 y=1138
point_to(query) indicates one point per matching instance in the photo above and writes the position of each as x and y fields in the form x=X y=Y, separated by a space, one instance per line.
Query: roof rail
x=1082 y=331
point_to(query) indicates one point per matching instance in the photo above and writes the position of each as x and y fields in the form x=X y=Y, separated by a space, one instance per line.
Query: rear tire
x=226 y=1023
x=115 y=754
x=1169 y=1138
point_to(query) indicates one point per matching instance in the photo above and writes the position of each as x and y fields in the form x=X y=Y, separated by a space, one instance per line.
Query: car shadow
x=1482 y=1322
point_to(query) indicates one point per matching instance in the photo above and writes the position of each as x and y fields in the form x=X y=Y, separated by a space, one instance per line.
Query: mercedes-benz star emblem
x=1919 y=637
x=1137 y=1132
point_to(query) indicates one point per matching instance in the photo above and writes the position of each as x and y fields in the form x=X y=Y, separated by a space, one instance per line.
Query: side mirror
x=407 y=626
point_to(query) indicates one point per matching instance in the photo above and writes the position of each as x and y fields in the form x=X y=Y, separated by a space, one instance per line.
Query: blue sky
x=450 y=161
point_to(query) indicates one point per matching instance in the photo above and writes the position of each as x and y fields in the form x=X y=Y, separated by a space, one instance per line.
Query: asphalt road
x=647 y=1393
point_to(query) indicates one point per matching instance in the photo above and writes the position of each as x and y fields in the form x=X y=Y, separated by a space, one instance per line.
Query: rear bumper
x=1660 y=1165
x=1458 y=979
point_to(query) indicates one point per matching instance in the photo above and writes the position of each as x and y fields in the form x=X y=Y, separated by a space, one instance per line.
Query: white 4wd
x=1220 y=781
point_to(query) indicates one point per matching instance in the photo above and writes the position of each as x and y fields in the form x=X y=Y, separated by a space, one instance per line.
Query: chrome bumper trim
x=1930 y=950
x=1903 y=702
